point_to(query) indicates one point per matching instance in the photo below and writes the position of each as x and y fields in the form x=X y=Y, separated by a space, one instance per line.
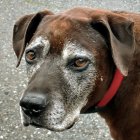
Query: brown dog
x=77 y=61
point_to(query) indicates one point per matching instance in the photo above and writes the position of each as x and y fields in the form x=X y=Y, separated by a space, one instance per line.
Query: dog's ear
x=118 y=34
x=23 y=31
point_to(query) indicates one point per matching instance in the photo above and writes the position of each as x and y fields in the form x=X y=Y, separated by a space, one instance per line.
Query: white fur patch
x=79 y=88
x=45 y=44
x=74 y=49
x=40 y=41
x=102 y=78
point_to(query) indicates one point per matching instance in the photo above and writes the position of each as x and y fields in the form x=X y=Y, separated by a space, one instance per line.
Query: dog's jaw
x=68 y=121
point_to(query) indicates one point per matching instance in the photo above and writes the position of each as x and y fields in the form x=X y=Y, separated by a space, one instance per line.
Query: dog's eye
x=30 y=56
x=79 y=64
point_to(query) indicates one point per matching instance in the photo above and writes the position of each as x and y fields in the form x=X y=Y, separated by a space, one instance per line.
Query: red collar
x=111 y=92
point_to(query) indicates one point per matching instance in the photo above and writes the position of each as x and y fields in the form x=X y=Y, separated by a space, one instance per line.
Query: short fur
x=57 y=92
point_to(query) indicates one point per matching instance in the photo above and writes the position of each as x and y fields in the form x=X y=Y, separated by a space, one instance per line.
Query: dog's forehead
x=61 y=29
x=56 y=25
x=57 y=30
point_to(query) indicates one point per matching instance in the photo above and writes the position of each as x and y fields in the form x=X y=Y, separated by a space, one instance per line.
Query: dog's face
x=70 y=60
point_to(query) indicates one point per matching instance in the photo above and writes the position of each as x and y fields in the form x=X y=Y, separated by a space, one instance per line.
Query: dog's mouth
x=28 y=122
x=53 y=120
x=37 y=122
x=37 y=125
x=34 y=124
x=40 y=126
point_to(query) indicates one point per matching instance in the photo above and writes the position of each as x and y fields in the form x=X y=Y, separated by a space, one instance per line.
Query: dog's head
x=71 y=58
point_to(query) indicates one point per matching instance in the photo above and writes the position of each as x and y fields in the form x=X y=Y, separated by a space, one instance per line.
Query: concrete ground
x=13 y=81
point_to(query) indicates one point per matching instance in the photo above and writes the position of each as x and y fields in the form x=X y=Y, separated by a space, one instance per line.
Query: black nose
x=33 y=105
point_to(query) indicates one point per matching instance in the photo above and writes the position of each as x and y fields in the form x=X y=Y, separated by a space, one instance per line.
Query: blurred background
x=13 y=80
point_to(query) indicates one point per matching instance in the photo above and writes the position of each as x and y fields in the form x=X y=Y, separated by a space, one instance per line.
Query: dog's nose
x=33 y=105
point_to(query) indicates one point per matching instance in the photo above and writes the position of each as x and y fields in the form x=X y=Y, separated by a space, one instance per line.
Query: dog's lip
x=69 y=127
x=40 y=126
x=65 y=128
x=36 y=125
x=75 y=120
x=26 y=124
x=32 y=123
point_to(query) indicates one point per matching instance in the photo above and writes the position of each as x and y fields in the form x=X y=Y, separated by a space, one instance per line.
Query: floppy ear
x=23 y=31
x=118 y=34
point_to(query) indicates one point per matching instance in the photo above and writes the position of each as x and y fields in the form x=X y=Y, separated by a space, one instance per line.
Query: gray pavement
x=13 y=81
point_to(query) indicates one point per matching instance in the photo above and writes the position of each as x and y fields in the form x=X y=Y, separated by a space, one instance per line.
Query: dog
x=81 y=60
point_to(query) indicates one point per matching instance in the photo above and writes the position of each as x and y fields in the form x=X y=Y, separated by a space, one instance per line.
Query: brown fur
x=122 y=114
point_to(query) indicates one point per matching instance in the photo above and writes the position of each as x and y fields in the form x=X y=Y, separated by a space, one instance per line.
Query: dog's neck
x=109 y=94
x=122 y=113
x=112 y=91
